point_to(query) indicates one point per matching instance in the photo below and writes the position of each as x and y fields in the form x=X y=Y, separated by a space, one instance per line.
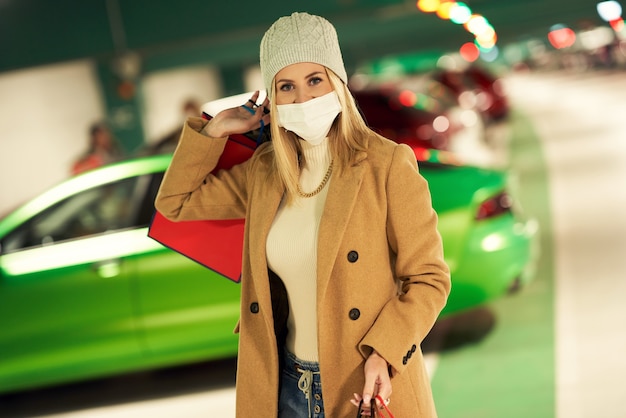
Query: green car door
x=188 y=312
x=66 y=296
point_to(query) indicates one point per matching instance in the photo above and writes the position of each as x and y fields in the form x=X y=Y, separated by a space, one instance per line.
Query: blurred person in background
x=167 y=144
x=343 y=272
x=103 y=149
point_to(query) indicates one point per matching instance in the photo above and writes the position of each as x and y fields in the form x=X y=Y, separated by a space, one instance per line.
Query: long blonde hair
x=347 y=137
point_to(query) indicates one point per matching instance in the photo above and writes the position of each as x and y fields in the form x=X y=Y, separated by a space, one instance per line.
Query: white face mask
x=312 y=119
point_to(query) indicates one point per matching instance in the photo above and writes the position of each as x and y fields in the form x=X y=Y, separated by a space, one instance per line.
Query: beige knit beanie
x=300 y=37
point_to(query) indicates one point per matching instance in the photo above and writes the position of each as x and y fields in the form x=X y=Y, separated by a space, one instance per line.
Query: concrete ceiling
x=167 y=33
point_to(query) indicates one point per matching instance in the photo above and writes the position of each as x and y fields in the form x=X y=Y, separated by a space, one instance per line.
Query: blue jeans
x=301 y=389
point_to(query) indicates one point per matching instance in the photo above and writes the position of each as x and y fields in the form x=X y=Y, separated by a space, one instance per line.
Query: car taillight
x=494 y=206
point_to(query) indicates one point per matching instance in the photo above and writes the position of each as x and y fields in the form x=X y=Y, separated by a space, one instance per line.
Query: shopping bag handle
x=373 y=408
x=385 y=407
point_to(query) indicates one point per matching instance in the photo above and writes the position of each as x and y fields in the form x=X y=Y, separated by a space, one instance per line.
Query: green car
x=84 y=292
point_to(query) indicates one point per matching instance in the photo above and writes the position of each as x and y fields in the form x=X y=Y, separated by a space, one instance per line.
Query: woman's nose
x=302 y=96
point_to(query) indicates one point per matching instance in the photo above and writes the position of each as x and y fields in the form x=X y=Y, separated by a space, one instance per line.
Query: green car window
x=92 y=211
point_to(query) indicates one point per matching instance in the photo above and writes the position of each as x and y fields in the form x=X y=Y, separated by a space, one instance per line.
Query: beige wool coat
x=381 y=277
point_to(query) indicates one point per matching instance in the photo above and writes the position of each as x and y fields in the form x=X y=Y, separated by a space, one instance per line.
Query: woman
x=343 y=272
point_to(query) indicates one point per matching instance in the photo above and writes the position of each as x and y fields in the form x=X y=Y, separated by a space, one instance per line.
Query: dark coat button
x=254 y=307
x=354 y=314
x=353 y=256
x=413 y=348
x=409 y=354
x=405 y=360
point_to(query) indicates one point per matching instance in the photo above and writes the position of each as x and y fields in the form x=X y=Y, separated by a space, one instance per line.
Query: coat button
x=354 y=314
x=405 y=360
x=353 y=256
x=413 y=348
x=254 y=307
x=317 y=409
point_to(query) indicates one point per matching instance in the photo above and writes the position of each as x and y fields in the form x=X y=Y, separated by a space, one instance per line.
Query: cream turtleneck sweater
x=292 y=251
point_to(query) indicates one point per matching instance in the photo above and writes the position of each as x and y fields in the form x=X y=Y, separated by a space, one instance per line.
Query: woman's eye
x=315 y=80
x=285 y=87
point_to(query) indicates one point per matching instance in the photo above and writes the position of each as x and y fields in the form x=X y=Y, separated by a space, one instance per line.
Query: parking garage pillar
x=121 y=91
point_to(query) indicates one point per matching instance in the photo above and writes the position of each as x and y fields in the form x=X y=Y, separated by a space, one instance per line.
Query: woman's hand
x=377 y=382
x=238 y=120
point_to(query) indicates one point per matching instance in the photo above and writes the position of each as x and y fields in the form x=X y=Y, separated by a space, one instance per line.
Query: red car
x=424 y=114
x=406 y=116
x=477 y=87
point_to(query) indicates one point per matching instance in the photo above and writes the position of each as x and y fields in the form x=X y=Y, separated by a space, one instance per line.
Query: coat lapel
x=267 y=198
x=340 y=201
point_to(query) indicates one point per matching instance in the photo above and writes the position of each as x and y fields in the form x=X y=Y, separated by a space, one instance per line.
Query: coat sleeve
x=189 y=191
x=419 y=265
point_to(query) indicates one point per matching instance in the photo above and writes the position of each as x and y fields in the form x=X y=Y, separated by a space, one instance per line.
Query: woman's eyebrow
x=286 y=80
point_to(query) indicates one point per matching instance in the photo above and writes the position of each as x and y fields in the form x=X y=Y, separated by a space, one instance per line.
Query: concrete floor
x=581 y=120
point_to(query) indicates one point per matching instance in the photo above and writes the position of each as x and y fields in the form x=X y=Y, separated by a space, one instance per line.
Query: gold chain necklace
x=321 y=186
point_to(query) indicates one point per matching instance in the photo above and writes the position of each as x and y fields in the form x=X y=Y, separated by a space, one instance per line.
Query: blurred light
x=359 y=81
x=561 y=36
x=469 y=52
x=109 y=269
x=597 y=37
x=441 y=123
x=447 y=62
x=486 y=34
x=492 y=242
x=609 y=10
x=476 y=24
x=460 y=13
x=469 y=118
x=445 y=157
x=422 y=154
x=513 y=53
x=617 y=24
x=486 y=41
x=428 y=6
x=483 y=100
x=425 y=102
x=443 y=11
x=467 y=100
x=407 y=98
x=489 y=54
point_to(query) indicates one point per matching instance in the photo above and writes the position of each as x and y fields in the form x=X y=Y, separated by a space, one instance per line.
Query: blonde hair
x=347 y=136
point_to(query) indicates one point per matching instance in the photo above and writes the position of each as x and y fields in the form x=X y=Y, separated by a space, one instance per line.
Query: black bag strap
x=372 y=409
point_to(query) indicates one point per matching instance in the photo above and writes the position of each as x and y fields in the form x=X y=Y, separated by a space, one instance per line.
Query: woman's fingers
x=240 y=119
x=365 y=407
x=377 y=381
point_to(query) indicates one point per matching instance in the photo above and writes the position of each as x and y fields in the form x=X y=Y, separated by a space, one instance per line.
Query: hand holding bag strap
x=372 y=409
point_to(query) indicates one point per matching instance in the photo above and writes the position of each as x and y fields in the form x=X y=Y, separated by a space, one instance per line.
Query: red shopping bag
x=215 y=244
